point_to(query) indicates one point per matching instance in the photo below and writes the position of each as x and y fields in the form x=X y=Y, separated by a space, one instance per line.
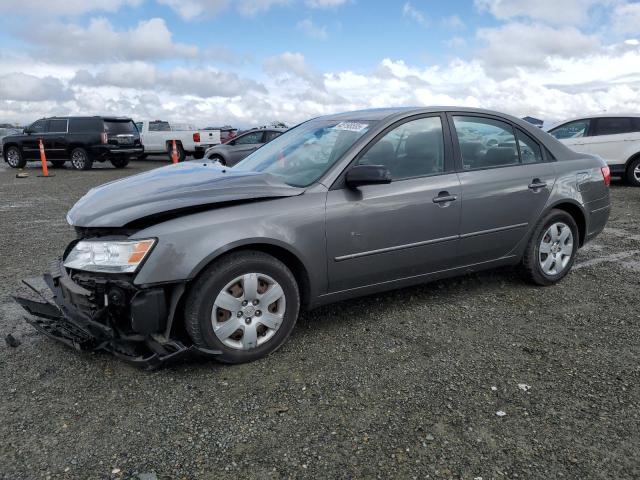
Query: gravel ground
x=408 y=384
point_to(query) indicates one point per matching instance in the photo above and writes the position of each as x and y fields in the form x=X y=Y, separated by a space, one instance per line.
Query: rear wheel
x=80 y=159
x=58 y=163
x=181 y=154
x=14 y=157
x=633 y=172
x=552 y=248
x=119 y=162
x=245 y=305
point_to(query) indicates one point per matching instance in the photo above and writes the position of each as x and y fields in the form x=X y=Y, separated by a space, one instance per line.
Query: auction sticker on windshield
x=351 y=126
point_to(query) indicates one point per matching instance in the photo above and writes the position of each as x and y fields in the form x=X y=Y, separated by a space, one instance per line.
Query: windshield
x=303 y=154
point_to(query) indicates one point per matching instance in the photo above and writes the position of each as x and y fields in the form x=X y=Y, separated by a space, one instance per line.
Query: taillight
x=103 y=138
x=606 y=174
x=196 y=137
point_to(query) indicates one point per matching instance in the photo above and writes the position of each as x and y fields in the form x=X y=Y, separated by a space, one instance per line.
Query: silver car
x=233 y=151
x=199 y=258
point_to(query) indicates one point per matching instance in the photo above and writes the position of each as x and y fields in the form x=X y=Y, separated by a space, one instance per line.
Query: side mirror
x=367 y=175
x=26 y=131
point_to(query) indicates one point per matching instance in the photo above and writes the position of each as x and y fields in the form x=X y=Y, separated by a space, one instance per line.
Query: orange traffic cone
x=43 y=161
x=174 y=153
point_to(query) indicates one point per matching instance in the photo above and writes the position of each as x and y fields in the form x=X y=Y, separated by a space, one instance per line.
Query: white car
x=615 y=138
x=157 y=137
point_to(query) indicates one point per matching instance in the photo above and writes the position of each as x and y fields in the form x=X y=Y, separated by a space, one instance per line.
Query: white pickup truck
x=157 y=137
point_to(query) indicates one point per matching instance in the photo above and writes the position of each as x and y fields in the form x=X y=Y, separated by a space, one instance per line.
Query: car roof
x=386 y=113
x=599 y=115
x=79 y=117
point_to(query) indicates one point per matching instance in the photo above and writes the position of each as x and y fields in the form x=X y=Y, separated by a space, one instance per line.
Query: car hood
x=183 y=186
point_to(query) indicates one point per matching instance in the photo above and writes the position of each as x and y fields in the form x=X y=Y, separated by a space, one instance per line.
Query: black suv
x=82 y=140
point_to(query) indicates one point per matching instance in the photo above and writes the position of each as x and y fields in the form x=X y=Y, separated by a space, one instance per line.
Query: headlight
x=114 y=256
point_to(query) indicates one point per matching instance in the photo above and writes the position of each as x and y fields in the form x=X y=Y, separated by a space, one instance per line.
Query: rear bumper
x=107 y=152
x=76 y=319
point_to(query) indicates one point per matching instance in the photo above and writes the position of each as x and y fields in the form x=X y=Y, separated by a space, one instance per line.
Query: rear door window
x=577 y=129
x=530 y=151
x=485 y=143
x=249 y=139
x=613 y=126
x=57 y=126
x=271 y=135
x=117 y=127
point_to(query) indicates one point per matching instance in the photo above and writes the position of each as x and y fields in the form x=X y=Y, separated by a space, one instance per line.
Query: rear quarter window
x=85 y=125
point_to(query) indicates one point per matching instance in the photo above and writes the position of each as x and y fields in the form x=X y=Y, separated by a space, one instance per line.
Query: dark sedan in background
x=243 y=145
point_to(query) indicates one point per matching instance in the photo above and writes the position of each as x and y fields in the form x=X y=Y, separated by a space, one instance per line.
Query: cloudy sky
x=247 y=62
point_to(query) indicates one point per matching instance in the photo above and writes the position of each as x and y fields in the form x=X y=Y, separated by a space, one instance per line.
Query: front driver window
x=413 y=149
x=575 y=129
x=37 y=127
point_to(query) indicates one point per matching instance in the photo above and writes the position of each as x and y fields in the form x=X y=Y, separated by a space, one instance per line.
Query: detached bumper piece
x=75 y=319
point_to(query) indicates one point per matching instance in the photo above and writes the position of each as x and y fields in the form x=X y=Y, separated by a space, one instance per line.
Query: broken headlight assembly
x=109 y=256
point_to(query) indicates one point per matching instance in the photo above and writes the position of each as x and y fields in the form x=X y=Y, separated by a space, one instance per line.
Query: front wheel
x=80 y=159
x=14 y=157
x=633 y=173
x=552 y=248
x=245 y=305
x=119 y=162
x=219 y=159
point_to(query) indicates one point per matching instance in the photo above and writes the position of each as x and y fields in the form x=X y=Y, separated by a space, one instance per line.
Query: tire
x=57 y=163
x=142 y=157
x=219 y=159
x=80 y=159
x=198 y=155
x=119 y=162
x=235 y=344
x=181 y=154
x=633 y=172
x=14 y=157
x=561 y=255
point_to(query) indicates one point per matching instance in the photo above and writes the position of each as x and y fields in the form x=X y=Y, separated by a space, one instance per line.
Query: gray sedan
x=237 y=149
x=199 y=258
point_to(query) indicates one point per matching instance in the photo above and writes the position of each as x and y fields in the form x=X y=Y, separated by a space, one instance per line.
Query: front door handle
x=536 y=184
x=445 y=198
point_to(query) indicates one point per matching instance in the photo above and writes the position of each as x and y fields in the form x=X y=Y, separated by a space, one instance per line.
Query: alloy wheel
x=636 y=173
x=556 y=249
x=78 y=160
x=13 y=157
x=248 y=311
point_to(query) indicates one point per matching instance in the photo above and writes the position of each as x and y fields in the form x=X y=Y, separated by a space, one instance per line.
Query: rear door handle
x=536 y=184
x=445 y=197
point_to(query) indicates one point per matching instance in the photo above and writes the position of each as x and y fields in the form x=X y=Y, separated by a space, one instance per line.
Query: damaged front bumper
x=134 y=327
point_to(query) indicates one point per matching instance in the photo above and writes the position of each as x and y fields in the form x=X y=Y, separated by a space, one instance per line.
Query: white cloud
x=312 y=30
x=66 y=7
x=521 y=45
x=190 y=9
x=626 y=18
x=453 y=22
x=253 y=7
x=325 y=3
x=571 y=12
x=100 y=42
x=203 y=82
x=409 y=11
x=24 y=87
x=294 y=65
